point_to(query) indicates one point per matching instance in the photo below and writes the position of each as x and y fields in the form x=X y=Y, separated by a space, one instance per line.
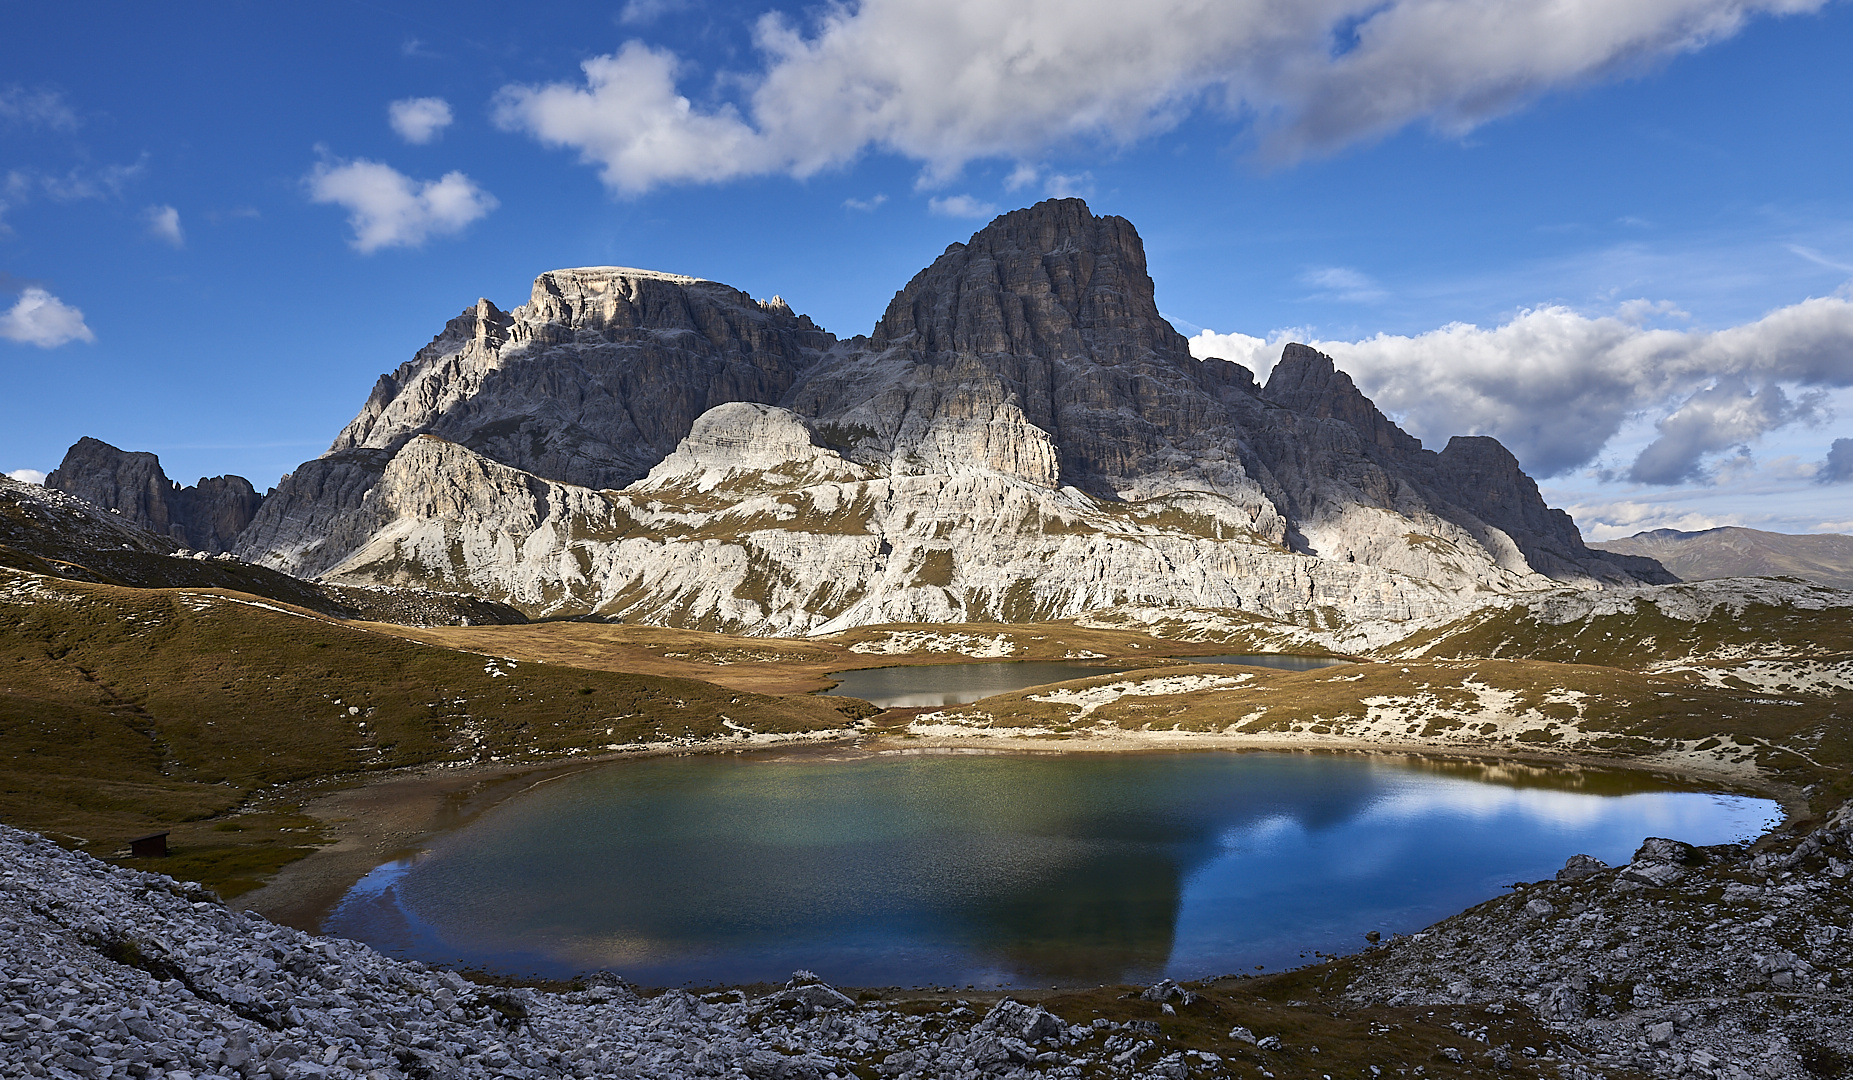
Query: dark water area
x=1281 y=661
x=932 y=685
x=1013 y=870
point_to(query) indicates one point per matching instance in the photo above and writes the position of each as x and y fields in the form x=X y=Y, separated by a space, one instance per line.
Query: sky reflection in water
x=997 y=869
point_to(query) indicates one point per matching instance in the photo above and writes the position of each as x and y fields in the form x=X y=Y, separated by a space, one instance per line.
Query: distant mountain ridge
x=1734 y=551
x=1022 y=436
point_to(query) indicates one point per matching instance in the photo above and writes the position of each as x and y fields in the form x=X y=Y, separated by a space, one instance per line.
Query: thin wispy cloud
x=1344 y=284
x=865 y=204
x=947 y=82
x=387 y=208
x=1819 y=259
x=40 y=108
x=962 y=206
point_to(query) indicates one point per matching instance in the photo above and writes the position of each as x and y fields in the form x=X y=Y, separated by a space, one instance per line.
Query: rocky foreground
x=1713 y=962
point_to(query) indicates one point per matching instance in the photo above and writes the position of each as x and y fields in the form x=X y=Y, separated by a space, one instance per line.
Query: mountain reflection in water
x=1012 y=869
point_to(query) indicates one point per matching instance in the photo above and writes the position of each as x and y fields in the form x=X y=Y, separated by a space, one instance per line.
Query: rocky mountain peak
x=1307 y=382
x=1051 y=280
x=596 y=378
x=204 y=517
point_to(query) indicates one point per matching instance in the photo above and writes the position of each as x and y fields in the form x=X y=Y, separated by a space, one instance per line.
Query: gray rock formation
x=45 y=531
x=204 y=517
x=593 y=380
x=1824 y=558
x=1022 y=437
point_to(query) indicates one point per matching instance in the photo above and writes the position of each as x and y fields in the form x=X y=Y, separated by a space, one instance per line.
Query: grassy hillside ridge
x=1802 y=645
x=124 y=711
x=1521 y=707
x=802 y=665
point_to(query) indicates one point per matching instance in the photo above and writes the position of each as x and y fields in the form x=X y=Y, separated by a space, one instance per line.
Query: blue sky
x=1617 y=235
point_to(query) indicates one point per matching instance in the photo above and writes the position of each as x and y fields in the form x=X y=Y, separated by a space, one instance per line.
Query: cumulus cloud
x=962 y=206
x=27 y=476
x=36 y=108
x=419 y=120
x=164 y=224
x=39 y=318
x=1555 y=385
x=1838 y=468
x=1719 y=417
x=946 y=82
x=387 y=208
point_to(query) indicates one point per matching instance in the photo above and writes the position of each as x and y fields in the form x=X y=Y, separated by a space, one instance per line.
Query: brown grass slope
x=125 y=711
x=1643 y=637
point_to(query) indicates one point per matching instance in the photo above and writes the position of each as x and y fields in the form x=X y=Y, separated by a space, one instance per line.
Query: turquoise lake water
x=936 y=869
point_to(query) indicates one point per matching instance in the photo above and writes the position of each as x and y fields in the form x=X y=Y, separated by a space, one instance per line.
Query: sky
x=1615 y=234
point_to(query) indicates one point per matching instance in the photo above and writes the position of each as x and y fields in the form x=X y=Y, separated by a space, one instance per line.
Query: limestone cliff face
x=593 y=380
x=1021 y=437
x=205 y=517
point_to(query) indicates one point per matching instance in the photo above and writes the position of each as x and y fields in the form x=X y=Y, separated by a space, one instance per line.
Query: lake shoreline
x=374 y=820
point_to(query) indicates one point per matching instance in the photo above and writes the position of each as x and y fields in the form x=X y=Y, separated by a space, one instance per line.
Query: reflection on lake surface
x=1019 y=870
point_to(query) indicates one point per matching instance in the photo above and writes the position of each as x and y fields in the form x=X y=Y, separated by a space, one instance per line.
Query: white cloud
x=39 y=318
x=865 y=204
x=1556 y=386
x=949 y=81
x=27 y=476
x=962 y=206
x=387 y=208
x=164 y=224
x=420 y=119
x=36 y=108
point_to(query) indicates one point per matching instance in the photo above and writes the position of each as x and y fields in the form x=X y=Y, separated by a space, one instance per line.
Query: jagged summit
x=207 y=516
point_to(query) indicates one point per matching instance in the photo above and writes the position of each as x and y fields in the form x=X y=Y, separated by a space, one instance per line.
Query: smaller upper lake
x=933 y=685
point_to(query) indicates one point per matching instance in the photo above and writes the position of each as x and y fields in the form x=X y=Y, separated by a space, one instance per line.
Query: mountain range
x=1022 y=436
x=1732 y=551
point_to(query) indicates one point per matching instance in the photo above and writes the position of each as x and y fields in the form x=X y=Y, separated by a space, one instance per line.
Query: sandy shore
x=394 y=816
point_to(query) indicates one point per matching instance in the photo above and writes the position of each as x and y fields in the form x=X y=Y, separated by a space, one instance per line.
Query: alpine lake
x=986 y=869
